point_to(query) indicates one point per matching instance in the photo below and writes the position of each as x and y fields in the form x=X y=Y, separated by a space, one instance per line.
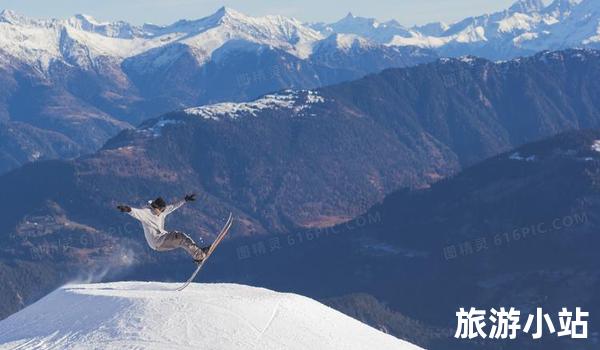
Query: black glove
x=190 y=197
x=124 y=208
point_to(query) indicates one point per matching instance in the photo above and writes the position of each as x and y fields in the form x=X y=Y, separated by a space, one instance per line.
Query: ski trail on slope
x=259 y=333
x=273 y=315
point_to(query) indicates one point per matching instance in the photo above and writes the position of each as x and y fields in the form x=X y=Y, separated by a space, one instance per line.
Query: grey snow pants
x=176 y=239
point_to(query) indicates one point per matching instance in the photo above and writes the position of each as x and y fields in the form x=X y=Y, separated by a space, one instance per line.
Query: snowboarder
x=152 y=219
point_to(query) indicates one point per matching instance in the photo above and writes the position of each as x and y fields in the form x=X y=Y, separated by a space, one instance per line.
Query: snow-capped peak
x=352 y=21
x=220 y=16
x=367 y=27
x=150 y=315
x=527 y=6
x=119 y=29
x=345 y=42
x=12 y=17
x=280 y=32
x=89 y=20
x=228 y=12
x=432 y=29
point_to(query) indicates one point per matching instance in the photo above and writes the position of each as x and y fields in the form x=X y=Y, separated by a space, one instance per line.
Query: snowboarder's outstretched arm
x=172 y=207
x=134 y=212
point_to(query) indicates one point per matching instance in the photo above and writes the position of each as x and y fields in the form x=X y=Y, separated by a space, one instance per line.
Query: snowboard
x=214 y=245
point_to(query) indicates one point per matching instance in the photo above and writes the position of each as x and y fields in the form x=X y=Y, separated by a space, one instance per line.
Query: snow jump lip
x=150 y=315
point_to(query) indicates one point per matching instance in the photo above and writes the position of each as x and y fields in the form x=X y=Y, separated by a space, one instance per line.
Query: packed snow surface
x=149 y=315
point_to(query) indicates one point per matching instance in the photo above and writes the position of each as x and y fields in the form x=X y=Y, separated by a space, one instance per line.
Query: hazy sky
x=408 y=12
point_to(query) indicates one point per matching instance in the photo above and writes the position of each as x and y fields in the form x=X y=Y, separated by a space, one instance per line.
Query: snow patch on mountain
x=120 y=48
x=157 y=129
x=419 y=40
x=345 y=42
x=518 y=156
x=295 y=101
x=471 y=34
x=146 y=315
x=516 y=22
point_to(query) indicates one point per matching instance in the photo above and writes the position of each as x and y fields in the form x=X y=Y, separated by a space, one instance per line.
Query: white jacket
x=154 y=225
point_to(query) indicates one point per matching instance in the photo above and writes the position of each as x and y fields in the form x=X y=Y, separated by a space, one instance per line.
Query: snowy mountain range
x=81 y=40
x=140 y=315
x=68 y=85
x=527 y=26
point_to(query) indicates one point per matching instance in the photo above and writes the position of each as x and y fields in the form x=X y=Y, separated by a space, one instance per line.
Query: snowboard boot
x=204 y=252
